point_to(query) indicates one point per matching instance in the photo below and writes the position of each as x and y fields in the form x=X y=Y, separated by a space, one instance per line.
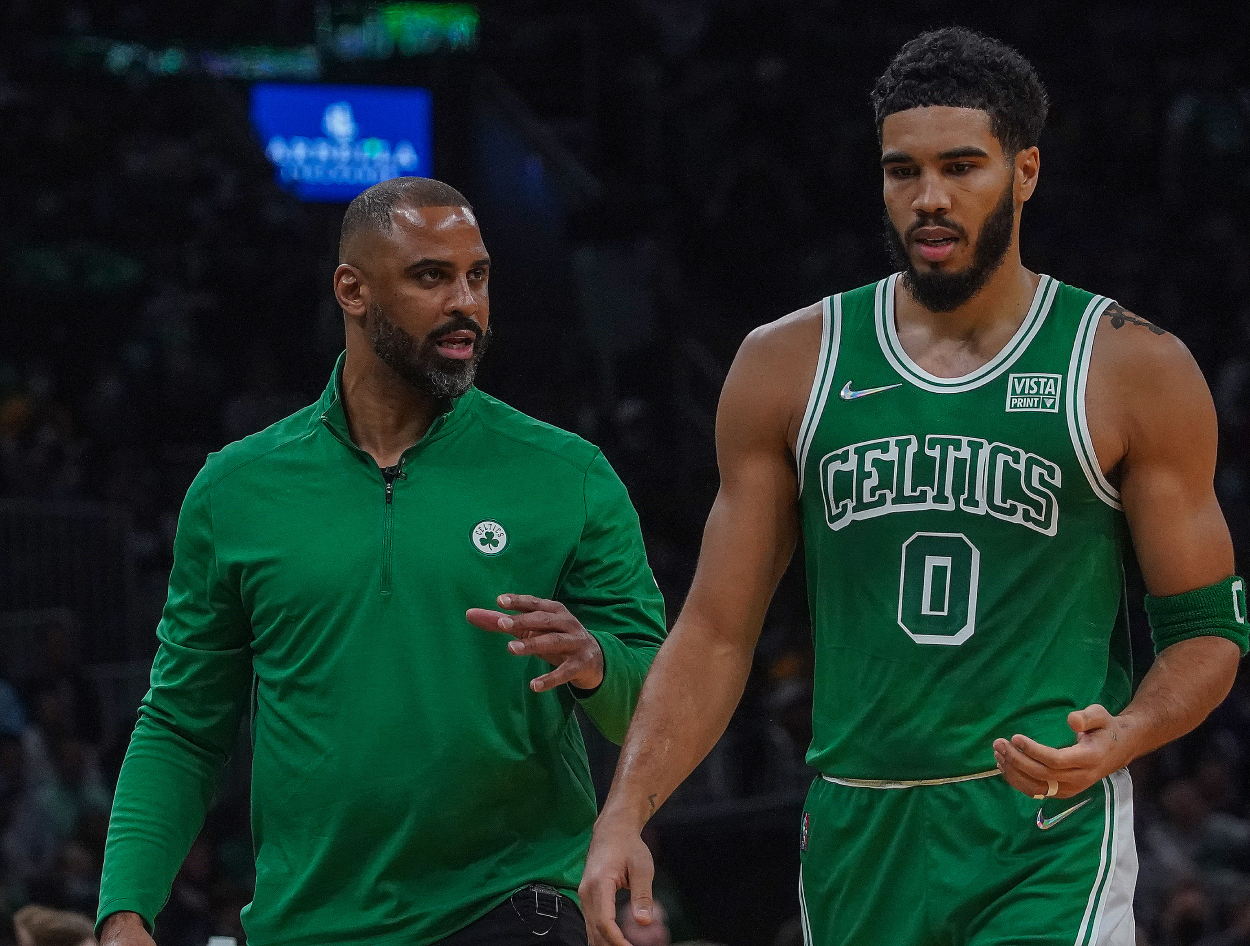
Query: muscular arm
x=699 y=674
x=1154 y=426
x=701 y=670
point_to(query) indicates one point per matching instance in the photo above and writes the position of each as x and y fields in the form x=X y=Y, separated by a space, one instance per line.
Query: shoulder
x=771 y=377
x=1144 y=386
x=543 y=441
x=1136 y=355
x=776 y=339
x=244 y=454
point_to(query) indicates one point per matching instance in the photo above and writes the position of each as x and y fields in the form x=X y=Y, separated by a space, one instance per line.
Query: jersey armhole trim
x=830 y=340
x=1078 y=420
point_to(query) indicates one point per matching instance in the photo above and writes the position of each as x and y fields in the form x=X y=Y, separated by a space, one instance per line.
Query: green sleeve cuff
x=122 y=905
x=611 y=704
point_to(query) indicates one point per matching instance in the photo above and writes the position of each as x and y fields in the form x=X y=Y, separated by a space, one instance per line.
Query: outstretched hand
x=546 y=629
x=1100 y=749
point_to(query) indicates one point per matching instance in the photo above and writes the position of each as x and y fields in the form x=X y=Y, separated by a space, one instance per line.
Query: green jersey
x=405 y=779
x=963 y=546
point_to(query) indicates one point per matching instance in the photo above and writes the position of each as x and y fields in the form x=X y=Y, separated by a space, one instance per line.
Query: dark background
x=654 y=178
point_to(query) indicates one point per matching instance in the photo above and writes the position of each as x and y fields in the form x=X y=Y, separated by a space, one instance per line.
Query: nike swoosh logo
x=1047 y=823
x=848 y=395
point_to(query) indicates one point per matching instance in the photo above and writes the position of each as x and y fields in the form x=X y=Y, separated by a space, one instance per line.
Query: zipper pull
x=391 y=474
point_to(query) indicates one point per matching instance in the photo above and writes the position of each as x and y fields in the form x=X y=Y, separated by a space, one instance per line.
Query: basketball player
x=966 y=446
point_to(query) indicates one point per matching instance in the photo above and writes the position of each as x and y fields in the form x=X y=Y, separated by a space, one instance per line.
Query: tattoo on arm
x=1119 y=316
x=651 y=799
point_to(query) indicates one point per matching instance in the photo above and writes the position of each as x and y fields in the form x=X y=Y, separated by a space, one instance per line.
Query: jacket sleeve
x=188 y=722
x=611 y=590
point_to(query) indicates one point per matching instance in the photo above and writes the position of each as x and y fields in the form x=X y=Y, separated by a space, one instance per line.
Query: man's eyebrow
x=967 y=151
x=444 y=263
x=902 y=157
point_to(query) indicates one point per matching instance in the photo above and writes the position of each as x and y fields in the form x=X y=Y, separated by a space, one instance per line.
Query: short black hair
x=962 y=68
x=371 y=210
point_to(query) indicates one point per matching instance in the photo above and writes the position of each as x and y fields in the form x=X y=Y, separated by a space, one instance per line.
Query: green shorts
x=972 y=862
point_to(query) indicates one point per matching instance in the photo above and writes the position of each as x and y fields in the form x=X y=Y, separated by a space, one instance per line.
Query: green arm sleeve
x=611 y=590
x=187 y=724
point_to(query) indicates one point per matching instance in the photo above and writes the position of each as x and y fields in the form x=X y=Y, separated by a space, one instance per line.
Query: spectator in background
x=41 y=926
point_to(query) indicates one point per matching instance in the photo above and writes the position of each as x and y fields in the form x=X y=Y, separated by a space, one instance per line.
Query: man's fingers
x=599 y=903
x=561 y=674
x=1090 y=718
x=550 y=647
x=1012 y=759
x=527 y=603
x=518 y=625
x=605 y=933
x=641 y=873
x=486 y=619
x=1046 y=755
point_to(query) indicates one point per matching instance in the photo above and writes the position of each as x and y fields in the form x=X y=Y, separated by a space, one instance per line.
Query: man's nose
x=462 y=298
x=932 y=197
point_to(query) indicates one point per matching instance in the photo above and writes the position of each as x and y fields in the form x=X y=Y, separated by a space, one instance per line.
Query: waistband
x=912 y=783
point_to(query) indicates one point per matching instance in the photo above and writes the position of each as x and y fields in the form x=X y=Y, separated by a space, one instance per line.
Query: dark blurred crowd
x=166 y=297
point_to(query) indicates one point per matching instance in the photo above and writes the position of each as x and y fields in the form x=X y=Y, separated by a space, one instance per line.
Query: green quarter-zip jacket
x=405 y=779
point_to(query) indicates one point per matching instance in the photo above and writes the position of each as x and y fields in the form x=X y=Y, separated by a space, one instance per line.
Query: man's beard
x=944 y=292
x=419 y=363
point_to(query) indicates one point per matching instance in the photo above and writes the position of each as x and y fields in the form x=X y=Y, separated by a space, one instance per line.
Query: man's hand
x=1102 y=747
x=618 y=858
x=546 y=629
x=125 y=929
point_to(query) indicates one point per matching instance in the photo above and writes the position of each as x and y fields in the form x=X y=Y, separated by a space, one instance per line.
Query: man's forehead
x=430 y=231
x=431 y=219
x=939 y=127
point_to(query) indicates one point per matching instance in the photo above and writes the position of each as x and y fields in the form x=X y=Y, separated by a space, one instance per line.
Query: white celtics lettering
x=882 y=477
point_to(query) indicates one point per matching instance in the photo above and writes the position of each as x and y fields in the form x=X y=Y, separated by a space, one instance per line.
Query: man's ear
x=1028 y=166
x=350 y=291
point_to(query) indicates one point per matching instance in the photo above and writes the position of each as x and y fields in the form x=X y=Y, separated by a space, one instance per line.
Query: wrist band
x=1218 y=610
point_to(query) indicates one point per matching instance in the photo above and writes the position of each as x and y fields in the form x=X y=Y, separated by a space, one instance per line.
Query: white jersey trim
x=907 y=783
x=822 y=381
x=1078 y=420
x=1108 y=919
x=892 y=348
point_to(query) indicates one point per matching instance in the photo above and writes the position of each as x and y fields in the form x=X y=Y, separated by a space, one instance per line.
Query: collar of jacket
x=331 y=413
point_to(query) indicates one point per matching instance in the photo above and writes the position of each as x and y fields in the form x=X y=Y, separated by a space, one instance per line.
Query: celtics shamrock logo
x=489 y=537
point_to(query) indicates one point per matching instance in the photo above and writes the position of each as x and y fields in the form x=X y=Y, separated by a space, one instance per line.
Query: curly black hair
x=964 y=69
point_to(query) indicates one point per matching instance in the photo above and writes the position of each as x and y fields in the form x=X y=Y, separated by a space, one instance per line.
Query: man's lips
x=460 y=344
x=935 y=243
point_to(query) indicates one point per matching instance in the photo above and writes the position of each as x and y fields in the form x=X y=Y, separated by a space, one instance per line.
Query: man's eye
x=429 y=275
x=901 y=172
x=961 y=168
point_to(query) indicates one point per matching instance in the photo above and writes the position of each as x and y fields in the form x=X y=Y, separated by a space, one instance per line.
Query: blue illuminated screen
x=330 y=142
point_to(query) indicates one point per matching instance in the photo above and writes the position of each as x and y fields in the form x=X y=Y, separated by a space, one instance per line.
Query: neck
x=385 y=414
x=1002 y=302
x=952 y=344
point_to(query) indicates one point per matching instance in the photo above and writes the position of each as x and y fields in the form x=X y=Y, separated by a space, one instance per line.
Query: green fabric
x=963 y=557
x=1218 y=610
x=405 y=778
x=966 y=864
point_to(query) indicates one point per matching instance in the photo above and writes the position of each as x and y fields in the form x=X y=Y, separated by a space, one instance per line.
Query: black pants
x=536 y=915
